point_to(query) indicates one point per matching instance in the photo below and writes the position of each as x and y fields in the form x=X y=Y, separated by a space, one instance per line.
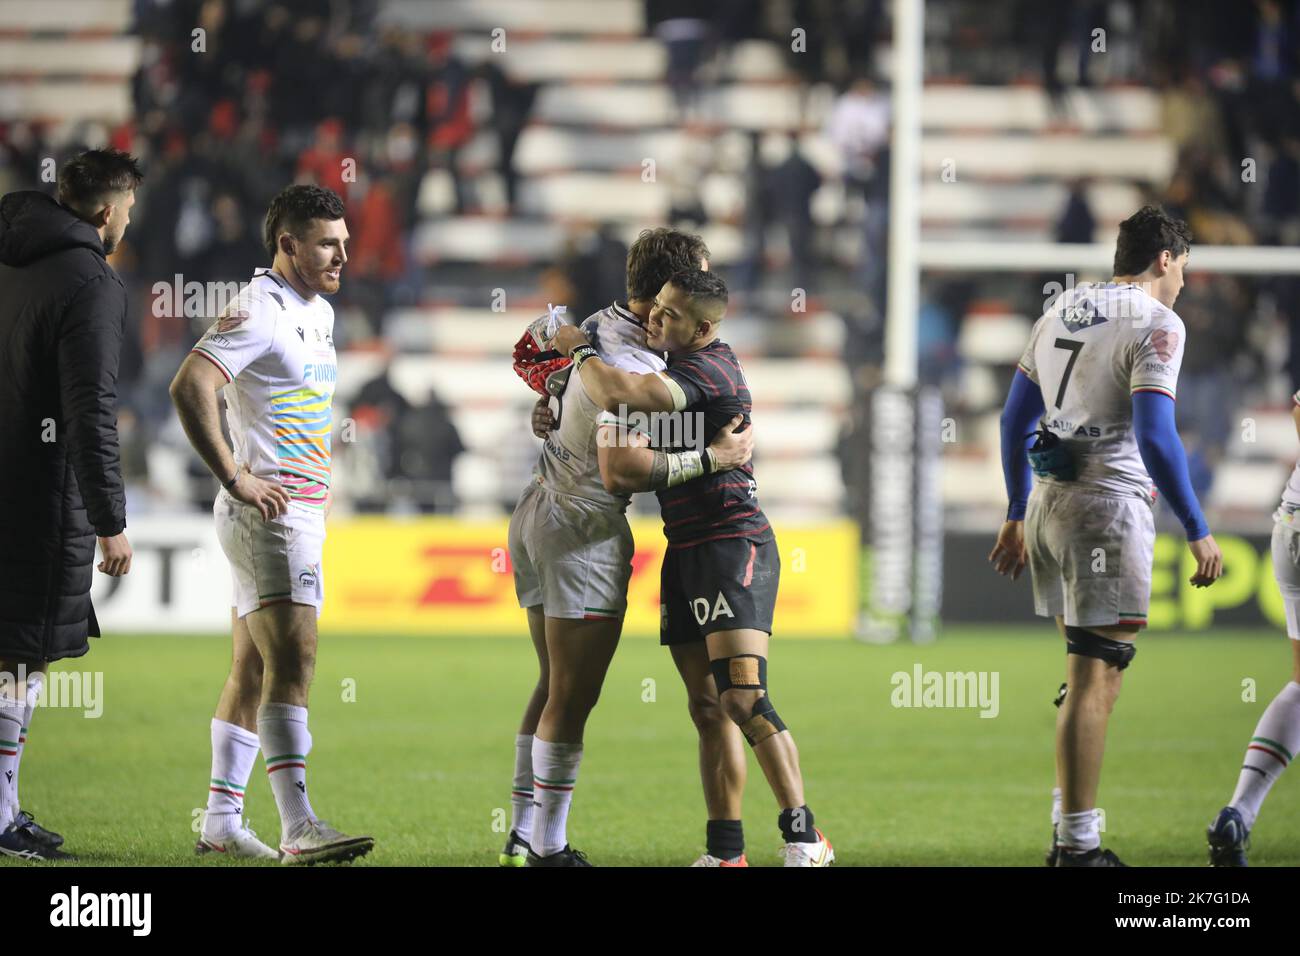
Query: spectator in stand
x=322 y=162
x=512 y=101
x=858 y=128
x=686 y=38
x=794 y=180
x=447 y=112
x=1077 y=223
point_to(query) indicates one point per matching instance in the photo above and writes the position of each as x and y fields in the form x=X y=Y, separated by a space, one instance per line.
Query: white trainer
x=238 y=843
x=820 y=853
x=707 y=860
x=317 y=842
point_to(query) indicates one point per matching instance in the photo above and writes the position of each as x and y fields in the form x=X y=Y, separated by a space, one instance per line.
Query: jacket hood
x=34 y=225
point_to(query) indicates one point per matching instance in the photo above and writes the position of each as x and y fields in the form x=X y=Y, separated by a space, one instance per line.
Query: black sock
x=725 y=839
x=797 y=825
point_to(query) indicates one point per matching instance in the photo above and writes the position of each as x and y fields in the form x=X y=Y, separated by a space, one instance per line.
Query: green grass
x=423 y=757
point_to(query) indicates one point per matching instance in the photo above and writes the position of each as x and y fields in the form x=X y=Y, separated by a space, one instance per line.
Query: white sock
x=521 y=791
x=12 y=712
x=286 y=742
x=1080 y=831
x=35 y=684
x=555 y=772
x=1276 y=739
x=1056 y=807
x=234 y=751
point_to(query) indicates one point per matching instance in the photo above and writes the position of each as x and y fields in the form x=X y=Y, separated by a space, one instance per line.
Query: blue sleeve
x=1023 y=409
x=1162 y=453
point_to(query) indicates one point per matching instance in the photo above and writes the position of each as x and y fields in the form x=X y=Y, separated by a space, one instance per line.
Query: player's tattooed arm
x=612 y=388
x=627 y=465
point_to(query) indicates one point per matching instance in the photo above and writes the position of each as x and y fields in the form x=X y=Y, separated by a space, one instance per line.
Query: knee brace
x=749 y=672
x=1085 y=643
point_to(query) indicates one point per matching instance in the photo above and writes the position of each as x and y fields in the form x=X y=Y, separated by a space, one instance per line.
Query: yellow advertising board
x=453 y=577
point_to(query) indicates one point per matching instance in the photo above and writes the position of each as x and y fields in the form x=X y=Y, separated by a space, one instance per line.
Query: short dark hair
x=1144 y=235
x=294 y=207
x=86 y=181
x=656 y=255
x=699 y=286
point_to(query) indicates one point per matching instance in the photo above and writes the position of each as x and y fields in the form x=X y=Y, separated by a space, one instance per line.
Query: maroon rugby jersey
x=723 y=505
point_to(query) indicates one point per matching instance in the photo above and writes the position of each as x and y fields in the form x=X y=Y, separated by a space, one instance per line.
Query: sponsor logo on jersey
x=1082 y=315
x=320 y=372
x=1165 y=342
x=232 y=320
x=557 y=451
x=1060 y=426
x=702 y=611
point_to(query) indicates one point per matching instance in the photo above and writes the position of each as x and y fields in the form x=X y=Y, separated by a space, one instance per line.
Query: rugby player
x=1277 y=735
x=1107 y=357
x=571 y=550
x=272 y=351
x=720 y=573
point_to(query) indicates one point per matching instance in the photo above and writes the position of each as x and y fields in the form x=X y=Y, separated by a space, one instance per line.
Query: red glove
x=536 y=367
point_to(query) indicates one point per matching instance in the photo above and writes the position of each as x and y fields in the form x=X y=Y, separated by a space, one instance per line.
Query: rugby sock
x=11 y=731
x=1277 y=737
x=521 y=790
x=725 y=839
x=234 y=751
x=1056 y=810
x=797 y=825
x=555 y=771
x=286 y=742
x=1080 y=831
x=35 y=684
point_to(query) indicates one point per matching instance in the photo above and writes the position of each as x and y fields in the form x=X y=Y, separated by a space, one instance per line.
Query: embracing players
x=720 y=573
x=272 y=351
x=571 y=550
x=1107 y=357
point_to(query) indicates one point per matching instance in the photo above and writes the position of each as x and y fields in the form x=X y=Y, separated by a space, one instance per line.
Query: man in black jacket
x=62 y=309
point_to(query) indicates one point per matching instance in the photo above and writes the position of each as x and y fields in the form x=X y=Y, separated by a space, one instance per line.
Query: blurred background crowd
x=498 y=155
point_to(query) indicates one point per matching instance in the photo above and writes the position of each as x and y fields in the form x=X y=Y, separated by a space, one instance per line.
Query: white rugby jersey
x=568 y=463
x=1095 y=347
x=276 y=350
x=1291 y=493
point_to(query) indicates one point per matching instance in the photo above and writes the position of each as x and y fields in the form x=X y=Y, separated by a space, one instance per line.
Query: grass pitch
x=422 y=758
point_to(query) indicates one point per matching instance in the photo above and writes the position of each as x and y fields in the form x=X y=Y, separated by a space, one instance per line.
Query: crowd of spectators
x=265 y=93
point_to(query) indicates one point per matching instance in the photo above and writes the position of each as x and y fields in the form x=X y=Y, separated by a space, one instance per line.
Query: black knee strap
x=744 y=671
x=763 y=722
x=1086 y=643
x=749 y=672
x=1060 y=694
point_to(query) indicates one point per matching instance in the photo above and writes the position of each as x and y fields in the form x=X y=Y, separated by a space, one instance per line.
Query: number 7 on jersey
x=1074 y=348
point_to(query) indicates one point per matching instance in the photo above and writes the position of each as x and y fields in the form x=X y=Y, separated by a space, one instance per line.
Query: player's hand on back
x=116 y=552
x=731 y=448
x=543 y=418
x=1209 y=561
x=268 y=497
x=1008 y=555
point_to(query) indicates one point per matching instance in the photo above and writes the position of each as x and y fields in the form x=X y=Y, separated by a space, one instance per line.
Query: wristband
x=708 y=461
x=228 y=485
x=581 y=354
x=683 y=466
